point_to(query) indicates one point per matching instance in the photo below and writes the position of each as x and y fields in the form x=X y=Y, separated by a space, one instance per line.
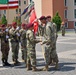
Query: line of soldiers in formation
x=46 y=28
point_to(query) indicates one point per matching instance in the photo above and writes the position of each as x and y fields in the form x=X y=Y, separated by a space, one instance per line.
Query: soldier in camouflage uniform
x=47 y=41
x=53 y=53
x=31 y=53
x=63 y=29
x=14 y=36
x=4 y=35
x=22 y=32
x=41 y=28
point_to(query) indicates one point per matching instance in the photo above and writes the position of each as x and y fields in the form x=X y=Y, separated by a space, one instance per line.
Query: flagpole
x=7 y=14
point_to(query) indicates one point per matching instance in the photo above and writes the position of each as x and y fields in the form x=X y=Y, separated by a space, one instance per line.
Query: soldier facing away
x=4 y=35
x=53 y=54
x=31 y=53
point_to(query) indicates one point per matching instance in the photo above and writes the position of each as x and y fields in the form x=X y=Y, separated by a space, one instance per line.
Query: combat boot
x=35 y=69
x=29 y=67
x=6 y=63
x=16 y=63
x=45 y=68
x=3 y=62
x=56 y=66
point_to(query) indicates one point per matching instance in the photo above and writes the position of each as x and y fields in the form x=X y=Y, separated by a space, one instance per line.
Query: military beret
x=23 y=24
x=29 y=25
x=3 y=25
x=48 y=16
x=14 y=23
x=42 y=18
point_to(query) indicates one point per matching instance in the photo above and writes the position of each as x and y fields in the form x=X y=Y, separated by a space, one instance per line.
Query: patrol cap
x=48 y=16
x=42 y=18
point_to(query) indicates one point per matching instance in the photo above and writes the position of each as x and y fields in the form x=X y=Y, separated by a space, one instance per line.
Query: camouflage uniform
x=23 y=44
x=53 y=53
x=14 y=36
x=31 y=53
x=63 y=30
x=48 y=42
x=41 y=30
x=4 y=35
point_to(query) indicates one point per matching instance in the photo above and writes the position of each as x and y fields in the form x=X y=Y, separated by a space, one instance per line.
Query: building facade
x=11 y=13
x=66 y=9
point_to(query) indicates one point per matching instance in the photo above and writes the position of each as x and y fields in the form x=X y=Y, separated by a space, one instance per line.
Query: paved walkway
x=66 y=49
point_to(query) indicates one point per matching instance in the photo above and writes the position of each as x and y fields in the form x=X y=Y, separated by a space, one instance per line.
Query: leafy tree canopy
x=57 y=19
x=4 y=20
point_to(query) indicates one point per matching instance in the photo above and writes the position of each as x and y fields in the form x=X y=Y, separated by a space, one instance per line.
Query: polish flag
x=12 y=4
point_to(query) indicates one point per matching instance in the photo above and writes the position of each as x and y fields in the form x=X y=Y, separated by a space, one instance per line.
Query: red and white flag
x=12 y=4
x=32 y=17
x=33 y=20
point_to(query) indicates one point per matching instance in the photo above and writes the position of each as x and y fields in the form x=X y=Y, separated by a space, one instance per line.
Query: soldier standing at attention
x=22 y=32
x=31 y=53
x=63 y=29
x=14 y=36
x=53 y=53
x=4 y=35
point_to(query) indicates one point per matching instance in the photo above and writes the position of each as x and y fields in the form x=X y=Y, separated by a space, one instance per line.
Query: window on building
x=16 y=17
x=0 y=16
x=19 y=11
x=16 y=11
x=65 y=2
x=66 y=25
x=74 y=2
x=74 y=13
x=30 y=0
x=19 y=2
x=74 y=24
x=24 y=2
x=65 y=13
x=4 y=11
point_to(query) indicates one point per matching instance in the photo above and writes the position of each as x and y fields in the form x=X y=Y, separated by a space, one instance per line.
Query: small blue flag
x=25 y=10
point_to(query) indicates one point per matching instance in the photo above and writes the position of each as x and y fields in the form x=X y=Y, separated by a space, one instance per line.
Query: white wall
x=38 y=6
x=71 y=8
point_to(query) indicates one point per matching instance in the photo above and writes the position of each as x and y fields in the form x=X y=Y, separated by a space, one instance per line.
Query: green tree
x=4 y=20
x=57 y=19
x=18 y=21
x=14 y=20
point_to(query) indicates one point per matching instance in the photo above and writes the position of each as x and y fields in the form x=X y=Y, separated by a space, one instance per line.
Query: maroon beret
x=14 y=23
x=42 y=18
x=23 y=25
x=29 y=25
x=2 y=25
x=48 y=16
